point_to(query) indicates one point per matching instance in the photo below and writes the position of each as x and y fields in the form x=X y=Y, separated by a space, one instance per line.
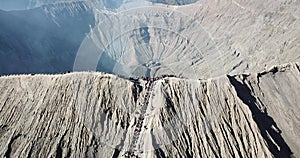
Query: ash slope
x=49 y=115
x=207 y=38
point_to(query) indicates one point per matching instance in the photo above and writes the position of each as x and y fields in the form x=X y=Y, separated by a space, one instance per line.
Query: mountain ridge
x=234 y=109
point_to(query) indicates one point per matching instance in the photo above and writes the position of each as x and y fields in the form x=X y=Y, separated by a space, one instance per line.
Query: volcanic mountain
x=150 y=79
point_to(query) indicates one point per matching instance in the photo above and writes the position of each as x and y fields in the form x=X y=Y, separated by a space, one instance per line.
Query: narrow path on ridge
x=139 y=124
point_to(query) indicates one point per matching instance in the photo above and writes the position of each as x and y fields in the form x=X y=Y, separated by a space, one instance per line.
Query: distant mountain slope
x=43 y=40
x=95 y=115
x=200 y=40
x=203 y=39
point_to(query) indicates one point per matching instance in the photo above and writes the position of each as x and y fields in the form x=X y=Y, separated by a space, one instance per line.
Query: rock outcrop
x=101 y=115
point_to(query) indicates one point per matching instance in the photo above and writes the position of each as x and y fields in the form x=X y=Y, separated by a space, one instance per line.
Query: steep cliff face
x=102 y=115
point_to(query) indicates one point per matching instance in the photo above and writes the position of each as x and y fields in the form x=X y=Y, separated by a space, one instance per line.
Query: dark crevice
x=170 y=104
x=207 y=137
x=30 y=151
x=116 y=153
x=214 y=138
x=274 y=70
x=59 y=148
x=59 y=152
x=258 y=78
x=187 y=139
x=261 y=74
x=159 y=153
x=265 y=123
x=136 y=90
x=9 y=148
x=237 y=65
x=297 y=66
x=188 y=155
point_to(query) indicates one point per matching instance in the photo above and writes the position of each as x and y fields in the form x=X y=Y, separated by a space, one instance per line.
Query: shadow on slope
x=267 y=126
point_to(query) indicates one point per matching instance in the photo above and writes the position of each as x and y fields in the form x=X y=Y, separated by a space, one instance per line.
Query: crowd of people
x=140 y=120
x=153 y=79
